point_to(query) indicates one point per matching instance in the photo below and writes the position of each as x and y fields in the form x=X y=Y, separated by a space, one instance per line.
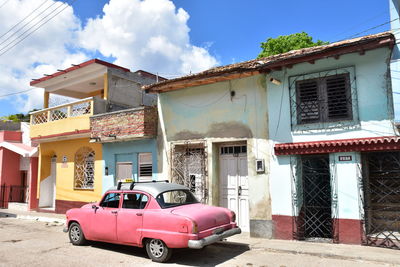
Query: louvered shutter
x=145 y=166
x=308 y=105
x=338 y=97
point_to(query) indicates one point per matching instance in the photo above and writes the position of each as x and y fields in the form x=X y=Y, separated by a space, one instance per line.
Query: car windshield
x=176 y=198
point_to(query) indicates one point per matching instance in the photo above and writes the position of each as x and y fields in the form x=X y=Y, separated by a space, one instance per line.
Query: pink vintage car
x=158 y=215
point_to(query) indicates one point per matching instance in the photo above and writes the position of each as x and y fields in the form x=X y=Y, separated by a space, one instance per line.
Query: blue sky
x=206 y=32
x=235 y=28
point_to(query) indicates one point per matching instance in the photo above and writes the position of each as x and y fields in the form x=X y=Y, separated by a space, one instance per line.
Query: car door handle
x=139 y=214
x=240 y=191
x=114 y=211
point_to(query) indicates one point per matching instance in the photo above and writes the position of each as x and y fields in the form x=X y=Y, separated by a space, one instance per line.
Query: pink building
x=18 y=168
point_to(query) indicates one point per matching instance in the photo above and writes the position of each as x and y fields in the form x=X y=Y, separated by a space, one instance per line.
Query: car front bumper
x=198 y=244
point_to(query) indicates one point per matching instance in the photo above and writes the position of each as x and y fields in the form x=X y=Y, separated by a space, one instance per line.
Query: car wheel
x=76 y=235
x=157 y=250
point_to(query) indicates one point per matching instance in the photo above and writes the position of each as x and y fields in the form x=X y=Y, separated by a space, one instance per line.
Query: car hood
x=205 y=216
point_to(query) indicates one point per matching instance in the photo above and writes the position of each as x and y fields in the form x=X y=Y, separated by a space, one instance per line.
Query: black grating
x=381 y=182
x=309 y=106
x=339 y=102
x=145 y=170
x=315 y=214
x=324 y=99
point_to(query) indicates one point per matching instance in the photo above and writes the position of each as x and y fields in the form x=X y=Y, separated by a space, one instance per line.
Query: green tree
x=19 y=117
x=286 y=43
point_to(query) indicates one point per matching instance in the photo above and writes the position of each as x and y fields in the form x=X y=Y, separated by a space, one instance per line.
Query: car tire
x=76 y=235
x=157 y=250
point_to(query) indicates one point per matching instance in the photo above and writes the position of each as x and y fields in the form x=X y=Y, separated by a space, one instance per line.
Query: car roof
x=153 y=189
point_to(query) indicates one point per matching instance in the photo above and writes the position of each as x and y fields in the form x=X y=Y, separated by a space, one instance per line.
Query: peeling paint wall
x=375 y=118
x=209 y=111
x=226 y=112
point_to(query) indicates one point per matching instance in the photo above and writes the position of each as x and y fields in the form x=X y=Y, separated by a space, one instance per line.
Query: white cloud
x=151 y=35
x=42 y=52
x=140 y=34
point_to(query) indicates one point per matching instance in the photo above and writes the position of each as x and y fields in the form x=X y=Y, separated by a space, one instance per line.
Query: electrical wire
x=359 y=24
x=2 y=51
x=16 y=93
x=27 y=16
x=5 y=2
x=367 y=30
x=21 y=28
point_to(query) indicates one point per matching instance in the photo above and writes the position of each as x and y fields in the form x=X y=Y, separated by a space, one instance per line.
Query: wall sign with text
x=345 y=158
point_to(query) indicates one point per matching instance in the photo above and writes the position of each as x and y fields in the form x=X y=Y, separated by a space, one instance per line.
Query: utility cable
x=21 y=28
x=27 y=16
x=16 y=93
x=2 y=52
x=361 y=23
x=367 y=30
x=5 y=2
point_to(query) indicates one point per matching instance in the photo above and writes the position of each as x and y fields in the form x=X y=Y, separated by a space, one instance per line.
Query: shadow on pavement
x=211 y=255
x=7 y=215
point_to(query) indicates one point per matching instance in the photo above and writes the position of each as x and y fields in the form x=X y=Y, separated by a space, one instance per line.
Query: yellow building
x=71 y=169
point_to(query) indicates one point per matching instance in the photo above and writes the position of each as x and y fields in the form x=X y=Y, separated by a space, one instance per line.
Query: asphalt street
x=33 y=243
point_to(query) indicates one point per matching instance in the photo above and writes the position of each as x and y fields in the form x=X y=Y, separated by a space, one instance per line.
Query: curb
x=57 y=221
x=326 y=255
x=42 y=219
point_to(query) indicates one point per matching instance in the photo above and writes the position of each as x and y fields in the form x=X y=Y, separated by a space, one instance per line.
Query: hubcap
x=156 y=247
x=75 y=233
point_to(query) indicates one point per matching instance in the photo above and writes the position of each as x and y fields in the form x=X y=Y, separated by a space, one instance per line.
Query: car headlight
x=233 y=216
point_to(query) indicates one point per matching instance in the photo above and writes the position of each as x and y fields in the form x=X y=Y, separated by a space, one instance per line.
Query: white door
x=47 y=195
x=234 y=186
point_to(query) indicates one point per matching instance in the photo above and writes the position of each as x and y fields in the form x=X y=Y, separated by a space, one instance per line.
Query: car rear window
x=175 y=198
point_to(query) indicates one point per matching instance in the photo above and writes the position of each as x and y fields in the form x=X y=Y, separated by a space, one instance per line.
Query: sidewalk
x=323 y=250
x=58 y=219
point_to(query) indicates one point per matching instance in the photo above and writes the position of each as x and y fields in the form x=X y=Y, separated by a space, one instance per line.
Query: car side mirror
x=95 y=207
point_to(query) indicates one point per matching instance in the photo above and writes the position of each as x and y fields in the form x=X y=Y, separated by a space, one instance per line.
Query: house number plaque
x=345 y=158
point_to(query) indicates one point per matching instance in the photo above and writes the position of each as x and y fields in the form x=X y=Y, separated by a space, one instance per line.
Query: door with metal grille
x=315 y=214
x=189 y=168
x=381 y=182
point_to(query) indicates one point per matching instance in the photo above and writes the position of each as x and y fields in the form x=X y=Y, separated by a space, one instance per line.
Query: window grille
x=145 y=166
x=84 y=168
x=324 y=99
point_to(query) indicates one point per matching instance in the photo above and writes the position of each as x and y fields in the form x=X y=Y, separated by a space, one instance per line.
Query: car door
x=130 y=217
x=104 y=219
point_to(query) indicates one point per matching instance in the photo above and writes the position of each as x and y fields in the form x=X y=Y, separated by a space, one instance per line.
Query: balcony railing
x=74 y=109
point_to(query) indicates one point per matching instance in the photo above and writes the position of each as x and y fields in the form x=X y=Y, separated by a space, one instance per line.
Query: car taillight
x=233 y=216
x=195 y=228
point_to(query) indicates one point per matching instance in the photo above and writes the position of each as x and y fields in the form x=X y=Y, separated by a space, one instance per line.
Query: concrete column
x=33 y=181
x=46 y=97
x=347 y=176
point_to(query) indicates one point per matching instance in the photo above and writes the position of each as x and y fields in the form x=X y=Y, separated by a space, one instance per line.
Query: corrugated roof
x=381 y=39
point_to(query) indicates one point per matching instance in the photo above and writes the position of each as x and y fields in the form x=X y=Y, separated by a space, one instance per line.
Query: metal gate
x=13 y=193
x=189 y=168
x=314 y=199
x=381 y=184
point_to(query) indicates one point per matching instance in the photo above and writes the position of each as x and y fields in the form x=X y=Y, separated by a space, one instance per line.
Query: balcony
x=67 y=119
x=124 y=125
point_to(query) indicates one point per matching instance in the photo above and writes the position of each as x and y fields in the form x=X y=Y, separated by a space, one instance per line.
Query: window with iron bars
x=324 y=99
x=84 y=168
